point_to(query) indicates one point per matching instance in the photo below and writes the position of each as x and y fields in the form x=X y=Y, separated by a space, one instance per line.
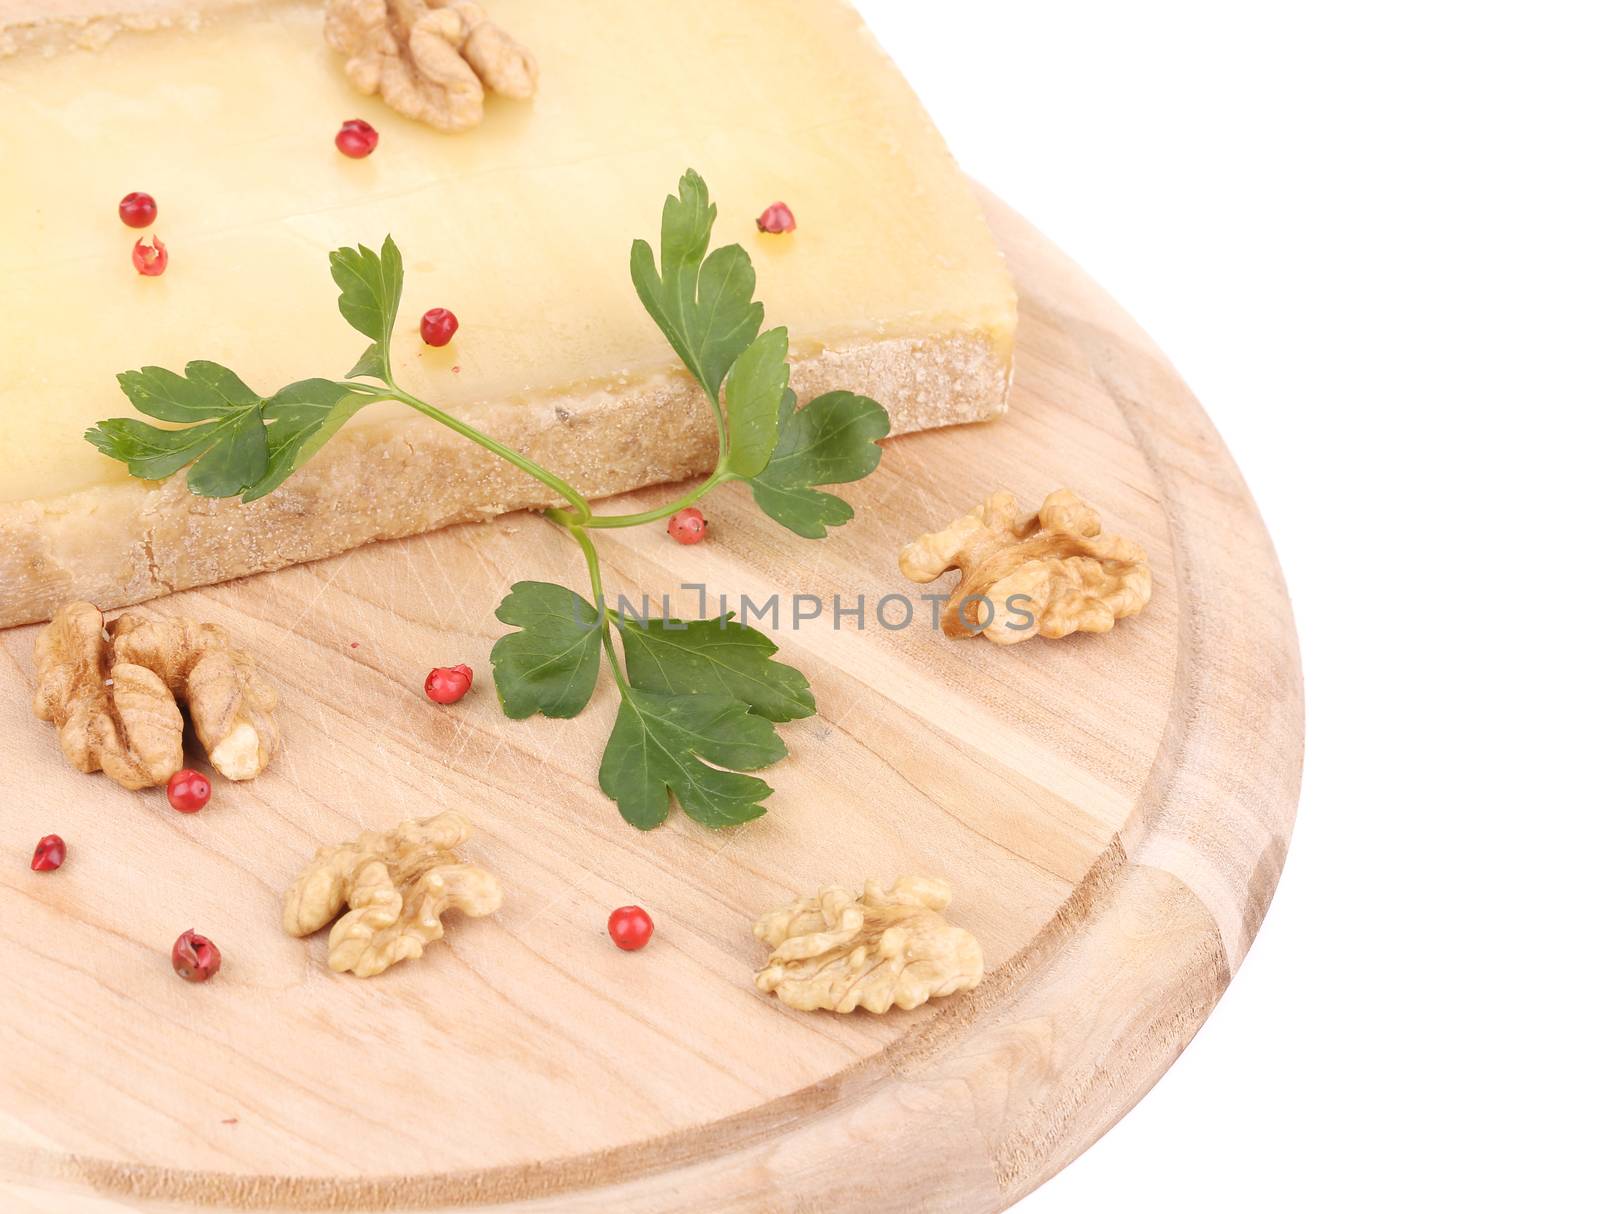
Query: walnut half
x=397 y=885
x=1055 y=567
x=888 y=948
x=429 y=59
x=113 y=695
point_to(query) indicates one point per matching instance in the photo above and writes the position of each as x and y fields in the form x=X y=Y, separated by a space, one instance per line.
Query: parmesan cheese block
x=225 y=112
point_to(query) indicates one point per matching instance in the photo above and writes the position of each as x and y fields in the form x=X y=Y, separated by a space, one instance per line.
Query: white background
x=1369 y=236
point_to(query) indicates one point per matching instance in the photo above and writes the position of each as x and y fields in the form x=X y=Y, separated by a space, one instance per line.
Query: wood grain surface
x=1112 y=811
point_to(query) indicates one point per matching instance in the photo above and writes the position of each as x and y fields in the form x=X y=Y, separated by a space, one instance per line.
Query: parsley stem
x=579 y=502
x=722 y=430
x=660 y=512
x=591 y=558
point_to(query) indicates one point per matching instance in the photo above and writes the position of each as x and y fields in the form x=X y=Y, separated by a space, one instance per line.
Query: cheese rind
x=117 y=544
x=891 y=286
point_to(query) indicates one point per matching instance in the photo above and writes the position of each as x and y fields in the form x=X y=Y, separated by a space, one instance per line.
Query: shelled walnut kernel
x=431 y=60
x=113 y=693
x=887 y=948
x=1055 y=566
x=397 y=885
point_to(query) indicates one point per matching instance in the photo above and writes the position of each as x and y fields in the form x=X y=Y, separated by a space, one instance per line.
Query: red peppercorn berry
x=150 y=259
x=194 y=958
x=776 y=218
x=447 y=684
x=630 y=928
x=356 y=138
x=688 y=526
x=188 y=791
x=138 y=210
x=50 y=853
x=439 y=325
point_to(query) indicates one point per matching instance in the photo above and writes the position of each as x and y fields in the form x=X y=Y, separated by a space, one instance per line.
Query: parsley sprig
x=699 y=699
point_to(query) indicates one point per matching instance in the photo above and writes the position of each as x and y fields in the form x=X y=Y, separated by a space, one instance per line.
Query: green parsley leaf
x=369 y=298
x=550 y=666
x=239 y=445
x=236 y=457
x=661 y=743
x=226 y=442
x=716 y=655
x=300 y=419
x=220 y=380
x=756 y=384
x=701 y=304
x=204 y=391
x=832 y=440
x=151 y=453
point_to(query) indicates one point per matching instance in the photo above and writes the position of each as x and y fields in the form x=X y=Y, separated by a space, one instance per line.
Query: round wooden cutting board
x=1112 y=812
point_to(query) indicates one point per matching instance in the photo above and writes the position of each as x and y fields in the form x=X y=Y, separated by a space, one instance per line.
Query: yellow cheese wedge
x=226 y=113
